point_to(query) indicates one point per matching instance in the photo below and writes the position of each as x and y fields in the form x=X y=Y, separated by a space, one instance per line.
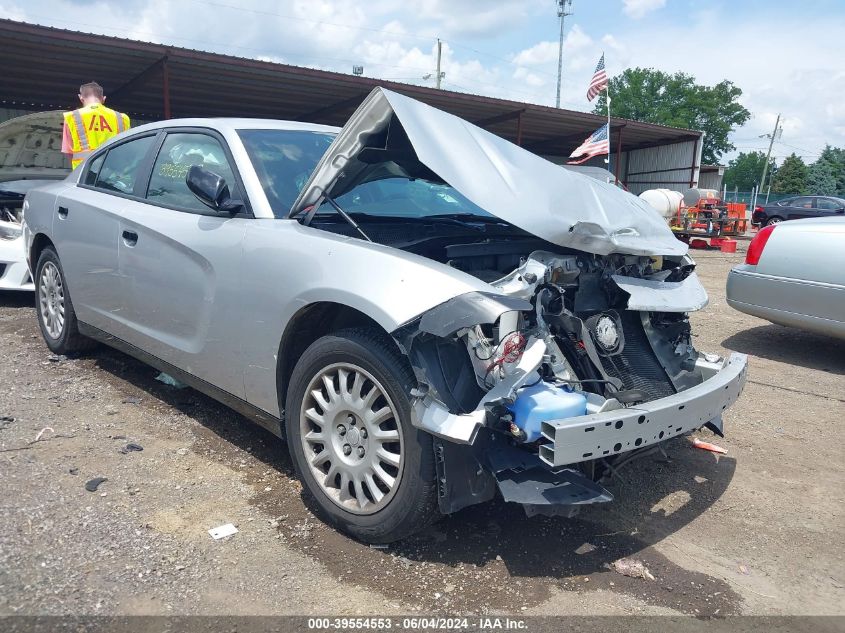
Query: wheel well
x=306 y=326
x=38 y=244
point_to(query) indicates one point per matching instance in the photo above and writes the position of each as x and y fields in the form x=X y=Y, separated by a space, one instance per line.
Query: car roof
x=226 y=124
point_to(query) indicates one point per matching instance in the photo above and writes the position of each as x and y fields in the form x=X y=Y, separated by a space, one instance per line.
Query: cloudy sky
x=786 y=56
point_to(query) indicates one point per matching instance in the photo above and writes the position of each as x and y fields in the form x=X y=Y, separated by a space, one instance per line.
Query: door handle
x=62 y=212
x=130 y=238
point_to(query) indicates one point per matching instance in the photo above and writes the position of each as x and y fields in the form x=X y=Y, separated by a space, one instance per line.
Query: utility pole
x=439 y=54
x=562 y=12
x=769 y=154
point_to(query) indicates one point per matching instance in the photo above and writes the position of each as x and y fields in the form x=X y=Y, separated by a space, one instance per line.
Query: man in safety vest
x=91 y=125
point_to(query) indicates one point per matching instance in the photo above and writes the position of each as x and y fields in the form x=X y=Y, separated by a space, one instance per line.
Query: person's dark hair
x=91 y=88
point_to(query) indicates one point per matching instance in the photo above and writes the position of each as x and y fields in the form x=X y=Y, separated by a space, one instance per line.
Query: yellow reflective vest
x=91 y=126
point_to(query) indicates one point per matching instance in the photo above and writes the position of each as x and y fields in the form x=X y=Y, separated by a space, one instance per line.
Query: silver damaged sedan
x=427 y=313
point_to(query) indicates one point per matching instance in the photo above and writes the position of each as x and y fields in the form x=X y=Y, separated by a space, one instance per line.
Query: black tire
x=413 y=505
x=774 y=220
x=69 y=340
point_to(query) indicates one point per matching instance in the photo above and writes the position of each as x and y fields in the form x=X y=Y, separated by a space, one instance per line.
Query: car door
x=87 y=226
x=181 y=264
x=830 y=207
x=803 y=207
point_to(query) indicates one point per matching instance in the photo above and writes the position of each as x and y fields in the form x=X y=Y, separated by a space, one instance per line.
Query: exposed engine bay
x=563 y=335
x=11 y=208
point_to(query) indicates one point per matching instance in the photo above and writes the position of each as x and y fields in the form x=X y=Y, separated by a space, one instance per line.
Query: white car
x=30 y=157
x=794 y=275
x=14 y=272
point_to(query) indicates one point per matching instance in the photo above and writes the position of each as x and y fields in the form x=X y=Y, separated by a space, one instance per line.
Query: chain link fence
x=762 y=198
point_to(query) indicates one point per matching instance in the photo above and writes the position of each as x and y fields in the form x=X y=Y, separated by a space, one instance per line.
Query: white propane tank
x=693 y=196
x=665 y=201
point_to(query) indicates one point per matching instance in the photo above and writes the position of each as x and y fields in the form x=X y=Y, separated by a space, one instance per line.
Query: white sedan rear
x=794 y=275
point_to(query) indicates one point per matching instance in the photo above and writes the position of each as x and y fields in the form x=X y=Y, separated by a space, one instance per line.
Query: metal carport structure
x=43 y=67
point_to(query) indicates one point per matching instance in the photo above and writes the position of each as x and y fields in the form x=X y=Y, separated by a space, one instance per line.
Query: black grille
x=637 y=366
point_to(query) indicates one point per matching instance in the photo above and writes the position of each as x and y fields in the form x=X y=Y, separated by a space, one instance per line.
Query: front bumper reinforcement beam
x=608 y=433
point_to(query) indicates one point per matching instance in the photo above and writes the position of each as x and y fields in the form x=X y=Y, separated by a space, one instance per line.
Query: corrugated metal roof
x=44 y=66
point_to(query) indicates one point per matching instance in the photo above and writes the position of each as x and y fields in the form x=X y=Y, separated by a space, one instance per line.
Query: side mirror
x=211 y=189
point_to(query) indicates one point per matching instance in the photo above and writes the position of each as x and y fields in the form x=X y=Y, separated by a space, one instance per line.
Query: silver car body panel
x=663 y=296
x=382 y=282
x=608 y=433
x=566 y=208
x=799 y=280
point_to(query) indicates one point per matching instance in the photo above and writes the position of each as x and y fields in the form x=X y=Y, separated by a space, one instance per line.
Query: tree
x=832 y=160
x=744 y=171
x=653 y=96
x=821 y=178
x=791 y=176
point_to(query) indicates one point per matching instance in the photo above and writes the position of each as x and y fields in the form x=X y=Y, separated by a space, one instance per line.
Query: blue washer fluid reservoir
x=543 y=401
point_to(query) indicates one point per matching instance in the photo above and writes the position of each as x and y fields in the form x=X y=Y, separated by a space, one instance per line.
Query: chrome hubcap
x=351 y=439
x=51 y=300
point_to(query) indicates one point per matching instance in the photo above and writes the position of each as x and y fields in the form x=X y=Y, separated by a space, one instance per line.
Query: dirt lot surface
x=758 y=531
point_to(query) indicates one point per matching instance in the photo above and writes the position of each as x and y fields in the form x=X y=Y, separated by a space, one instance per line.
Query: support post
x=769 y=153
x=561 y=14
x=165 y=88
x=692 y=166
x=439 y=54
x=609 y=149
x=619 y=153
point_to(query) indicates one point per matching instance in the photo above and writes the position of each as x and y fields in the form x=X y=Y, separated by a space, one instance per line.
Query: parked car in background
x=794 y=274
x=796 y=208
x=14 y=273
x=428 y=313
x=30 y=157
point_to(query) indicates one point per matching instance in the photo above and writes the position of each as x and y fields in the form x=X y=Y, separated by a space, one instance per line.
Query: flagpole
x=609 y=153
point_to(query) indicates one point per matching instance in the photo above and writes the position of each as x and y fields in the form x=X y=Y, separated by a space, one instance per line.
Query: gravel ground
x=757 y=531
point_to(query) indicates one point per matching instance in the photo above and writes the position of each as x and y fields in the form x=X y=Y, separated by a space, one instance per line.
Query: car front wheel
x=370 y=472
x=56 y=316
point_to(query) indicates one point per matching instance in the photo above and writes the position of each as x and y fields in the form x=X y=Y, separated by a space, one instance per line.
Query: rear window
x=119 y=170
x=284 y=160
x=804 y=203
x=830 y=204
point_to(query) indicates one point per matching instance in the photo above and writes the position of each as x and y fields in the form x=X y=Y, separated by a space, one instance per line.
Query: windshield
x=283 y=160
x=406 y=198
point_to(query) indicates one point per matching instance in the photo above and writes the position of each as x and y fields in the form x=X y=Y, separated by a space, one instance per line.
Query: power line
x=399 y=34
x=260 y=51
x=486 y=86
x=528 y=67
x=320 y=22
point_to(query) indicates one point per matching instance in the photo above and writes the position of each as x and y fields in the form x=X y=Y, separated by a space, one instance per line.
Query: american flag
x=599 y=80
x=596 y=145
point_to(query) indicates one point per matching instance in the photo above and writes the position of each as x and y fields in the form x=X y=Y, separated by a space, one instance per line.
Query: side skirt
x=250 y=411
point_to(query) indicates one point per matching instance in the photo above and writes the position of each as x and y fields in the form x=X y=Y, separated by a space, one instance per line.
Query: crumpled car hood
x=30 y=147
x=521 y=188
